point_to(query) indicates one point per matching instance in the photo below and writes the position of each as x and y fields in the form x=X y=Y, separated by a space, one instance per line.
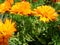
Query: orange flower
x=7 y=28
x=10 y=1
x=46 y=13
x=5 y=6
x=15 y=8
x=21 y=8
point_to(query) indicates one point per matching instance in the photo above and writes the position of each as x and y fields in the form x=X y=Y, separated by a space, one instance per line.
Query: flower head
x=5 y=6
x=7 y=28
x=46 y=13
x=21 y=8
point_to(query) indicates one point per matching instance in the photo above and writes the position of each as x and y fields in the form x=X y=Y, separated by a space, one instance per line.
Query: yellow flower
x=5 y=6
x=7 y=28
x=46 y=13
x=21 y=8
x=44 y=19
x=15 y=8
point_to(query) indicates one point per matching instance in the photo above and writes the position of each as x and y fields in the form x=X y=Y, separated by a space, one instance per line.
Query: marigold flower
x=46 y=13
x=7 y=28
x=21 y=8
x=5 y=6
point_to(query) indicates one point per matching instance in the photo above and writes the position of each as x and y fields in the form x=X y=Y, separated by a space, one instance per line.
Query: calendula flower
x=5 y=6
x=6 y=30
x=46 y=13
x=21 y=8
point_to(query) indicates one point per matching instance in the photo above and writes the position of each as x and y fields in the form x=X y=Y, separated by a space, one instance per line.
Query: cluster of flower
x=46 y=13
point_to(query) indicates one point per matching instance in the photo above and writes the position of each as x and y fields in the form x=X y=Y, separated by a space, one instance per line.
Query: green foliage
x=37 y=3
x=1 y=1
x=27 y=27
x=30 y=31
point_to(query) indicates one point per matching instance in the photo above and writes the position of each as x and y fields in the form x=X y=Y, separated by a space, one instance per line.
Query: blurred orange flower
x=5 y=6
x=46 y=13
x=7 y=28
x=21 y=8
x=10 y=1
